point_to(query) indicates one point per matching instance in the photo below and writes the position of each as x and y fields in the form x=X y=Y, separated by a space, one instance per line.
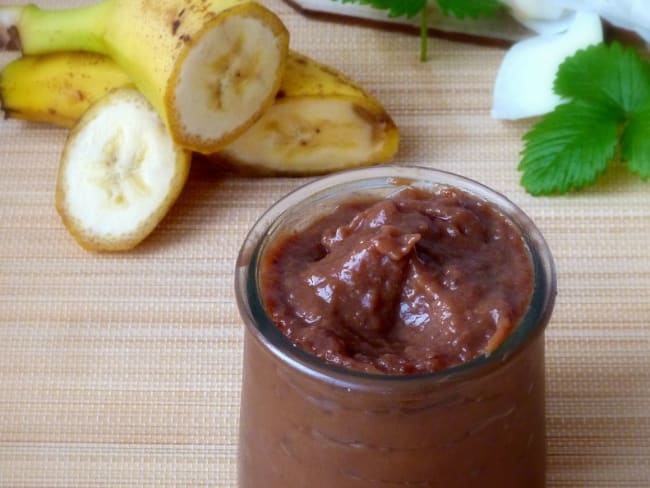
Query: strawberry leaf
x=569 y=147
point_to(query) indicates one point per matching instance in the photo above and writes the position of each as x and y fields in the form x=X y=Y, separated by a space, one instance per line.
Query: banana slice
x=228 y=78
x=120 y=173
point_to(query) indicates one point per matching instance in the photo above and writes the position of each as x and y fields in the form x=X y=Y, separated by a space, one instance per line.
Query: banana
x=210 y=68
x=59 y=87
x=320 y=121
x=120 y=172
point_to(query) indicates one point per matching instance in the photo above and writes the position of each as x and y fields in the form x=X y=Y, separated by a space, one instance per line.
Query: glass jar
x=306 y=423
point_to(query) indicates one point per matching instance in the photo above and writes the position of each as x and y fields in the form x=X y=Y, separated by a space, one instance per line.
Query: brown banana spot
x=377 y=121
x=177 y=21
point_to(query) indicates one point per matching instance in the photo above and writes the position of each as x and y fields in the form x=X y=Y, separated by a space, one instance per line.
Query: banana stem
x=42 y=31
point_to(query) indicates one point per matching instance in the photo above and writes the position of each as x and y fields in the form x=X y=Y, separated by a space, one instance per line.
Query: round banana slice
x=120 y=173
x=227 y=78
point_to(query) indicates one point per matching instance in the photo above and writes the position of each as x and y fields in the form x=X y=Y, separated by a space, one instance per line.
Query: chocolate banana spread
x=414 y=283
x=403 y=287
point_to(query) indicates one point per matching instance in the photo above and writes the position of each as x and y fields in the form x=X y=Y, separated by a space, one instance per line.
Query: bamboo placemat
x=124 y=370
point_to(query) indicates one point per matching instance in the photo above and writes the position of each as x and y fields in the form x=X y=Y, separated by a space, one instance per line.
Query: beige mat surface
x=124 y=369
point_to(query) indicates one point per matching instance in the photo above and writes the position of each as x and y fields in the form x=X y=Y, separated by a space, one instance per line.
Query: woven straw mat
x=125 y=369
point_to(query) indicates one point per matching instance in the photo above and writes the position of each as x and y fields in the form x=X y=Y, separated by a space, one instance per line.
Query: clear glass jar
x=306 y=423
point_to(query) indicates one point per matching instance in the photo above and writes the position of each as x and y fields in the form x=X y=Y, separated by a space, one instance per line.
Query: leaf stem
x=424 y=33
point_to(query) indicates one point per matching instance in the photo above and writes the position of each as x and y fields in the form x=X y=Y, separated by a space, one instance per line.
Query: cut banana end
x=314 y=135
x=228 y=78
x=120 y=173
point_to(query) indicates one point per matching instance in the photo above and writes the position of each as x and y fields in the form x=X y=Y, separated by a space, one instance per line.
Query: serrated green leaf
x=410 y=8
x=395 y=8
x=605 y=73
x=457 y=8
x=469 y=8
x=635 y=142
x=569 y=147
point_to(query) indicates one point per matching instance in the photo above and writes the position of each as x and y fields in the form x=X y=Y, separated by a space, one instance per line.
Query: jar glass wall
x=306 y=423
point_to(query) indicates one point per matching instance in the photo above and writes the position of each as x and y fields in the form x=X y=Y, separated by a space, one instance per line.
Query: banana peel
x=320 y=120
x=57 y=88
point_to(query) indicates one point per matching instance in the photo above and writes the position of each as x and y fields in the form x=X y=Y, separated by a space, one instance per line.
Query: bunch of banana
x=320 y=120
x=123 y=166
x=210 y=68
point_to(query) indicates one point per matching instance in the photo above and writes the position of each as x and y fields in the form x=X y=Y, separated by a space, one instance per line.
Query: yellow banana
x=320 y=121
x=57 y=87
x=210 y=68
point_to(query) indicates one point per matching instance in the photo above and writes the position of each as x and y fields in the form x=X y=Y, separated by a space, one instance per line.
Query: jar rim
x=265 y=330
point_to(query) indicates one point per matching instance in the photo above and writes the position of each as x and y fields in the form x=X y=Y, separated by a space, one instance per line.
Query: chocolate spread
x=414 y=283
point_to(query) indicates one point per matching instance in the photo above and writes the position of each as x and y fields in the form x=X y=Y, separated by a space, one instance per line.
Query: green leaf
x=457 y=8
x=569 y=147
x=605 y=73
x=469 y=8
x=635 y=143
x=395 y=8
x=410 y=8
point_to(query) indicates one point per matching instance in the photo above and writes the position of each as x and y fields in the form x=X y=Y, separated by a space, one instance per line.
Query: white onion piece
x=524 y=83
x=550 y=26
x=631 y=15
x=523 y=10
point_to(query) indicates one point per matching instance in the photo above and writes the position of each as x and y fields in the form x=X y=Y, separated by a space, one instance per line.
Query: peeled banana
x=320 y=120
x=210 y=68
x=120 y=172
